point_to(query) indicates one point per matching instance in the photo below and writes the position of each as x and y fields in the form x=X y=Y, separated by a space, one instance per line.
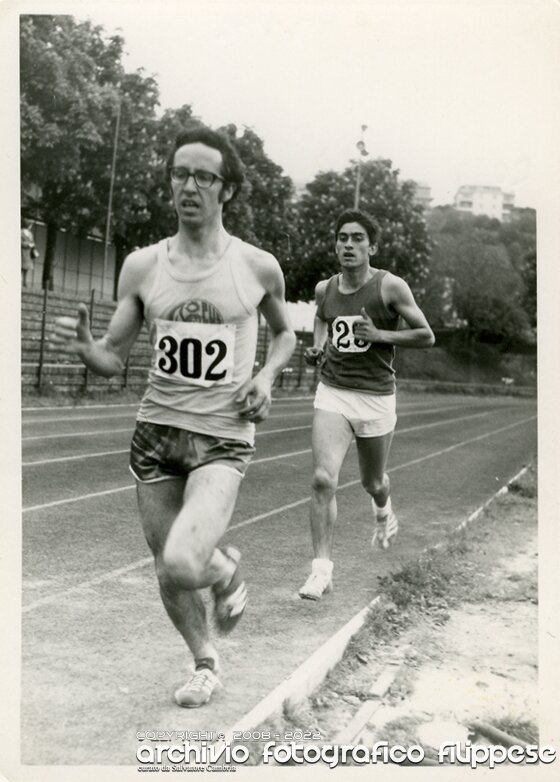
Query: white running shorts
x=369 y=415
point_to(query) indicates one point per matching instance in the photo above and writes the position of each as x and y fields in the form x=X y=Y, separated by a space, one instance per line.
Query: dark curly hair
x=355 y=216
x=233 y=170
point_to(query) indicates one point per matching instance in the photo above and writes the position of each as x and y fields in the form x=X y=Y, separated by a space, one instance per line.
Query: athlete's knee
x=179 y=568
x=323 y=482
x=375 y=484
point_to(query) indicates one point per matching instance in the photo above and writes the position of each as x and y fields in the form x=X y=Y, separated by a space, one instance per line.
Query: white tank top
x=203 y=330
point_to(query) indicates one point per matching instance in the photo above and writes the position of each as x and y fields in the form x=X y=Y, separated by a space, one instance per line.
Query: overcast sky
x=453 y=93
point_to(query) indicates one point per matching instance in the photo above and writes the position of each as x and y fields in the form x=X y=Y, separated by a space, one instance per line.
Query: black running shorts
x=160 y=452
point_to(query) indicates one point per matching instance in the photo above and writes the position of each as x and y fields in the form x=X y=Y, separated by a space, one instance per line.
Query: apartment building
x=485 y=200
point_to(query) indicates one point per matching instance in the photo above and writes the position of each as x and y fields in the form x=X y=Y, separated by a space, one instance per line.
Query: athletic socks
x=322 y=566
x=204 y=662
x=381 y=513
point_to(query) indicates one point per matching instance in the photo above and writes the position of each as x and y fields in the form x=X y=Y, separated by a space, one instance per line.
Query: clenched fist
x=71 y=335
x=313 y=356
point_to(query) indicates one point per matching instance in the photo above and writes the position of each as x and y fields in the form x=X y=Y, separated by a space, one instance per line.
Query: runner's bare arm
x=314 y=354
x=107 y=355
x=273 y=307
x=255 y=396
x=398 y=296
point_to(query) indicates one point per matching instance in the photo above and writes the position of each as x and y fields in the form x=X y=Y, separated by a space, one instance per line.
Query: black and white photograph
x=280 y=457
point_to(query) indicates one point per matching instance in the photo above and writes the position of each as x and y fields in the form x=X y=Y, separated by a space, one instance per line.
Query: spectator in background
x=29 y=251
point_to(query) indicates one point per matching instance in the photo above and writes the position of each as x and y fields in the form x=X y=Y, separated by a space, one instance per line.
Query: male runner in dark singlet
x=358 y=313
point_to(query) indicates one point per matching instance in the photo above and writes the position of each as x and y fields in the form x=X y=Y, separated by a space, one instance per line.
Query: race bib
x=199 y=354
x=343 y=338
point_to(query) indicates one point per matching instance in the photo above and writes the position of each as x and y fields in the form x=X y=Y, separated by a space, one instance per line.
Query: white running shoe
x=316 y=586
x=198 y=690
x=385 y=530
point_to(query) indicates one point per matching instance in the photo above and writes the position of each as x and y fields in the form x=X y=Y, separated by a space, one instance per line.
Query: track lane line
x=57 y=420
x=284 y=400
x=112 y=574
x=109 y=415
x=277 y=400
x=97 y=454
x=410 y=463
x=258 y=434
x=255 y=461
x=416 y=405
x=130 y=429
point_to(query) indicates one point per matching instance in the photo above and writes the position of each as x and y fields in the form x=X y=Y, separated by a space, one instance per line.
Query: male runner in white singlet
x=199 y=292
x=357 y=316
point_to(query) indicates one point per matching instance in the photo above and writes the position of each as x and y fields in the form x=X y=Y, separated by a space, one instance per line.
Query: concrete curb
x=301 y=683
x=499 y=493
x=312 y=672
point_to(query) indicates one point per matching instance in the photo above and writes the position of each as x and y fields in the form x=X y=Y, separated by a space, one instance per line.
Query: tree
x=269 y=194
x=68 y=74
x=486 y=279
x=519 y=235
x=404 y=245
x=80 y=114
x=132 y=220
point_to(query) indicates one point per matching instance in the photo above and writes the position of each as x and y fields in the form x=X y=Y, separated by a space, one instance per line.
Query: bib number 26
x=343 y=337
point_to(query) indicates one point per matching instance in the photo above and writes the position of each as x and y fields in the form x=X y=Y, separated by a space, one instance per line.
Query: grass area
x=482 y=364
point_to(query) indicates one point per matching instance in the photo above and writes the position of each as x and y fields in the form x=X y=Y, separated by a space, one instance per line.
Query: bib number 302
x=186 y=357
x=196 y=354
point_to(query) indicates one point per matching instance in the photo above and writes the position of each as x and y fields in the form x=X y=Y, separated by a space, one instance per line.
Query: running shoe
x=316 y=586
x=230 y=601
x=385 y=530
x=198 y=690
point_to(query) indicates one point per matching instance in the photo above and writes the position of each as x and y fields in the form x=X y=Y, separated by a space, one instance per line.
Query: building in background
x=485 y=200
x=78 y=264
x=423 y=195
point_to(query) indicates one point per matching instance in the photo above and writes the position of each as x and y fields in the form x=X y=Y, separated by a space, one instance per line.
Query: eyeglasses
x=202 y=179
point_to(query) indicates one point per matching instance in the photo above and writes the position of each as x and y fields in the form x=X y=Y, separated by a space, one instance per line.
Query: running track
x=100 y=658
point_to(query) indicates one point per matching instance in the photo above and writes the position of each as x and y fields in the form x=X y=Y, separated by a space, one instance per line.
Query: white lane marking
x=256 y=461
x=119 y=415
x=59 y=418
x=416 y=405
x=97 y=454
x=110 y=575
x=88 y=584
x=130 y=430
x=52 y=504
x=56 y=459
x=399 y=431
x=276 y=400
x=89 y=433
x=81 y=407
